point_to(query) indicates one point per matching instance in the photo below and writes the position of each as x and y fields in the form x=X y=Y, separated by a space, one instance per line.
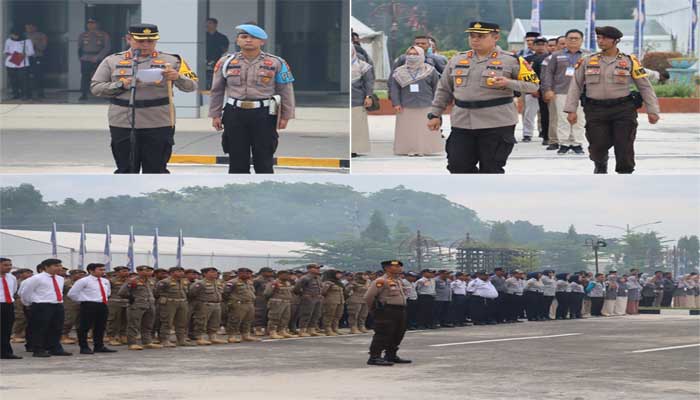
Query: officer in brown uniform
x=308 y=287
x=171 y=295
x=154 y=128
x=20 y=326
x=71 y=308
x=333 y=293
x=357 y=308
x=191 y=275
x=386 y=299
x=602 y=81
x=139 y=291
x=296 y=300
x=93 y=47
x=240 y=294
x=266 y=275
x=279 y=295
x=117 y=321
x=256 y=88
x=482 y=82
x=207 y=293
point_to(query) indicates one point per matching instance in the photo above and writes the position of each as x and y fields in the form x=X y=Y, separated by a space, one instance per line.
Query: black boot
x=379 y=361
x=601 y=167
x=393 y=358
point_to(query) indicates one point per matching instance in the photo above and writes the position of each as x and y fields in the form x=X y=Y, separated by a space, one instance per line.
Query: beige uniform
x=258 y=79
x=467 y=78
x=387 y=290
x=40 y=41
x=240 y=295
x=279 y=304
x=71 y=309
x=93 y=46
x=333 y=302
x=117 y=321
x=141 y=312
x=172 y=299
x=207 y=314
x=109 y=77
x=357 y=308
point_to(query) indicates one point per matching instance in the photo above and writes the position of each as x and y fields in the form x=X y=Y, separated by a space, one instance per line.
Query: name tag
x=570 y=71
x=414 y=88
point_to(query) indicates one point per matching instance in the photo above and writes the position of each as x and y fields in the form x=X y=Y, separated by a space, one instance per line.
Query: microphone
x=137 y=53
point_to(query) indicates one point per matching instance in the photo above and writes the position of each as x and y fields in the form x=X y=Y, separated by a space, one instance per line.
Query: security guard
x=207 y=294
x=256 y=88
x=154 y=124
x=604 y=80
x=93 y=46
x=386 y=298
x=171 y=294
x=139 y=291
x=482 y=82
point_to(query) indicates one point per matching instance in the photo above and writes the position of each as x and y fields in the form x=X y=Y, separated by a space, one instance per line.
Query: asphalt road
x=580 y=360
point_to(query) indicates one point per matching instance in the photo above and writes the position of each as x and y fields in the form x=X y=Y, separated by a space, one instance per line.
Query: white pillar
x=345 y=49
x=181 y=24
x=76 y=25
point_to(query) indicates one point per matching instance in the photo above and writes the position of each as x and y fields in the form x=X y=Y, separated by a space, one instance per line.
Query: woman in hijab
x=412 y=88
x=362 y=89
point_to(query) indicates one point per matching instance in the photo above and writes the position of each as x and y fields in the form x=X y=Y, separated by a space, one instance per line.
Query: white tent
x=29 y=248
x=375 y=43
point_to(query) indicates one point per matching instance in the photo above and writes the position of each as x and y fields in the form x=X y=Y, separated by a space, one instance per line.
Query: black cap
x=541 y=39
x=91 y=19
x=120 y=268
x=391 y=262
x=266 y=269
x=207 y=269
x=144 y=267
x=173 y=269
x=244 y=269
x=483 y=27
x=532 y=34
x=609 y=32
x=144 y=31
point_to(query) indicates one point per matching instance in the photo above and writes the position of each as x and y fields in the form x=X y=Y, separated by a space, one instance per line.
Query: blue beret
x=252 y=30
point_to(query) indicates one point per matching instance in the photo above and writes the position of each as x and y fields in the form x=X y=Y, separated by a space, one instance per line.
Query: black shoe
x=479 y=323
x=105 y=350
x=397 y=360
x=10 y=357
x=448 y=326
x=578 y=150
x=42 y=354
x=601 y=168
x=379 y=361
x=61 y=353
x=86 y=351
x=553 y=146
x=410 y=328
x=353 y=155
x=545 y=142
x=563 y=150
x=527 y=139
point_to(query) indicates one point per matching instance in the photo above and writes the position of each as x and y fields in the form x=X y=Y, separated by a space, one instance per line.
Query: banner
x=108 y=250
x=590 y=39
x=536 y=16
x=155 y=250
x=130 y=251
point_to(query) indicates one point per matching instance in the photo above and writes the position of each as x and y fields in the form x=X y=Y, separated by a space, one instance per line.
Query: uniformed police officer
x=386 y=298
x=154 y=123
x=604 y=78
x=482 y=82
x=255 y=91
x=93 y=46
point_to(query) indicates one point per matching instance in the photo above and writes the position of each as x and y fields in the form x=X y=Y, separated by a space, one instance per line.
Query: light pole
x=627 y=228
x=595 y=245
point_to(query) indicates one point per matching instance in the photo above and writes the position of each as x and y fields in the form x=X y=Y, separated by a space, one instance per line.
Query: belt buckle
x=247 y=105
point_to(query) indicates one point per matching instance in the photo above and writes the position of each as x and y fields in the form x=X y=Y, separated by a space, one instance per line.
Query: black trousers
x=499 y=312
x=667 y=298
x=87 y=70
x=647 y=301
x=546 y=305
x=441 y=311
x=18 y=78
x=575 y=302
x=608 y=127
x=246 y=131
x=485 y=151
x=28 y=340
x=562 y=304
x=389 y=329
x=478 y=306
x=154 y=146
x=596 y=305
x=533 y=304
x=47 y=326
x=513 y=306
x=36 y=71
x=544 y=118
x=458 y=309
x=93 y=315
x=7 y=320
x=412 y=313
x=425 y=310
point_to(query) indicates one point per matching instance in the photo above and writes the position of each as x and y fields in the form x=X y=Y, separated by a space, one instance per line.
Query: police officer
x=256 y=88
x=308 y=287
x=604 y=78
x=93 y=46
x=154 y=123
x=240 y=294
x=208 y=294
x=482 y=82
x=386 y=298
x=141 y=311
x=266 y=276
x=279 y=295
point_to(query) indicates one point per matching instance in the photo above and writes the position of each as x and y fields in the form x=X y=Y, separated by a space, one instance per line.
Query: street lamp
x=629 y=229
x=595 y=245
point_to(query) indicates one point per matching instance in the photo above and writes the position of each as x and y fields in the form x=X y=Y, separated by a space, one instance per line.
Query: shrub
x=674 y=90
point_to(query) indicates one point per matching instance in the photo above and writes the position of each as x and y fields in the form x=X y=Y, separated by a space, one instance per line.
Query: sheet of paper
x=150 y=75
x=414 y=88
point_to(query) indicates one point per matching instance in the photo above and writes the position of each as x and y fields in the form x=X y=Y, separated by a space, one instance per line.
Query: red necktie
x=59 y=296
x=6 y=289
x=102 y=291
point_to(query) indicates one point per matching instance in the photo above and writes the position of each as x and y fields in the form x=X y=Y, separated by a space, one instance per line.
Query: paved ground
x=72 y=139
x=584 y=359
x=670 y=147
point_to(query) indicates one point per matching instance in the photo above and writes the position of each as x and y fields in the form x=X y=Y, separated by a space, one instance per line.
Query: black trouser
x=87 y=70
x=575 y=302
x=19 y=82
x=36 y=69
x=478 y=306
x=562 y=304
x=489 y=148
x=458 y=309
x=154 y=146
x=647 y=301
x=510 y=304
x=28 y=340
x=247 y=130
x=93 y=315
x=425 y=310
x=544 y=118
x=546 y=305
x=7 y=319
x=499 y=312
x=441 y=311
x=389 y=328
x=667 y=298
x=533 y=305
x=47 y=326
x=596 y=306
x=412 y=313
x=612 y=126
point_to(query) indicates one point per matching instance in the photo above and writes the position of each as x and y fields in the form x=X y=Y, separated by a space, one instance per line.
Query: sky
x=554 y=202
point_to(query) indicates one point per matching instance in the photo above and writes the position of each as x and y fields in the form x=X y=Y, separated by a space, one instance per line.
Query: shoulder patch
x=284 y=74
x=638 y=71
x=379 y=283
x=526 y=73
x=185 y=69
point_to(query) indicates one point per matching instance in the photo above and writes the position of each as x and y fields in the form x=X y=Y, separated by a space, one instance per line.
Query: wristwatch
x=431 y=116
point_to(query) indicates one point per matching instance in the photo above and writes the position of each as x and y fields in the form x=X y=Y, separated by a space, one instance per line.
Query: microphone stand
x=132 y=109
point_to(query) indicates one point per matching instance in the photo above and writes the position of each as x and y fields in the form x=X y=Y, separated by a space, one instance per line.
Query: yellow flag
x=526 y=73
x=638 y=71
x=186 y=71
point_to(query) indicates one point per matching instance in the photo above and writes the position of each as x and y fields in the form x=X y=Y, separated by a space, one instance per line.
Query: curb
x=307 y=162
x=671 y=312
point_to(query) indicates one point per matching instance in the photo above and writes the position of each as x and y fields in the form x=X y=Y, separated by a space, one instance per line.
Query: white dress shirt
x=18 y=46
x=483 y=289
x=459 y=287
x=39 y=289
x=88 y=289
x=11 y=286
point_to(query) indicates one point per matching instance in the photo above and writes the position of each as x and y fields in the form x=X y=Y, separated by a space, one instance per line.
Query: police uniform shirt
x=483 y=289
x=534 y=285
x=11 y=288
x=549 y=286
x=514 y=285
x=410 y=289
x=459 y=287
x=388 y=290
x=40 y=289
x=257 y=79
x=93 y=45
x=575 y=287
x=88 y=289
x=108 y=82
x=40 y=41
x=608 y=78
x=498 y=282
x=426 y=286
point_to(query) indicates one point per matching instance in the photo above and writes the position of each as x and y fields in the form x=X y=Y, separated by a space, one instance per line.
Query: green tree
x=377 y=230
x=499 y=234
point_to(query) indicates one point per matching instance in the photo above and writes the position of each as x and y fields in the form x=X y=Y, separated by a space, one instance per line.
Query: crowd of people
x=146 y=308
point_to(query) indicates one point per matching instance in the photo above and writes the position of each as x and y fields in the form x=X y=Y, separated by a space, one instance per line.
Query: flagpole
x=54 y=245
x=130 y=251
x=81 y=254
x=108 y=250
x=155 y=250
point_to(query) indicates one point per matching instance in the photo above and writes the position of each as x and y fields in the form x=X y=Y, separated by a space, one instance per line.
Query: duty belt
x=141 y=103
x=483 y=103
x=248 y=104
x=169 y=299
x=609 y=102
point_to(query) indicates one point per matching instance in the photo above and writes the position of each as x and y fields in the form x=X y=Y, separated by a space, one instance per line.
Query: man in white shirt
x=17 y=52
x=92 y=293
x=43 y=294
x=7 y=308
x=483 y=293
x=458 y=311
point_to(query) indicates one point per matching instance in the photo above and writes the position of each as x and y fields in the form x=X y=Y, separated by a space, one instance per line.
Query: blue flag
x=130 y=252
x=180 y=245
x=155 y=250
x=535 y=16
x=639 y=21
x=81 y=251
x=108 y=250
x=693 y=27
x=54 y=244
x=590 y=39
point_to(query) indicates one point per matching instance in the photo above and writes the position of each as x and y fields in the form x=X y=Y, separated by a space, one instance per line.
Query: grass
x=674 y=90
